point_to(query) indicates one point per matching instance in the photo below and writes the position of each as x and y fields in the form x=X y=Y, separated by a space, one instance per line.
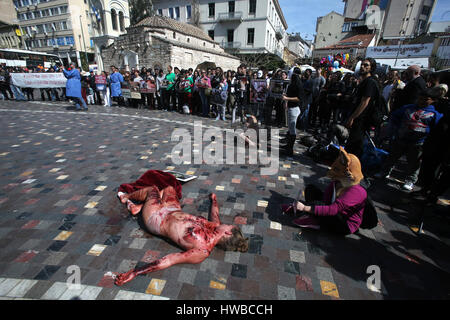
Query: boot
x=288 y=150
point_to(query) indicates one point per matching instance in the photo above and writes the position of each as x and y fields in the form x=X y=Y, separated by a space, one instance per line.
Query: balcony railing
x=230 y=16
x=231 y=45
x=279 y=33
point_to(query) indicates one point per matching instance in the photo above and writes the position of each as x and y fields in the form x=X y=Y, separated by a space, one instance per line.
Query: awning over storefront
x=405 y=63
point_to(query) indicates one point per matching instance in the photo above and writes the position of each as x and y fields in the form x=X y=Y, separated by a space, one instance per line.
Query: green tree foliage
x=263 y=61
x=140 y=9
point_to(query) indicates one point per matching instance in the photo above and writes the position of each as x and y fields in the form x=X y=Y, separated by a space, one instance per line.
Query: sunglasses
x=365 y=65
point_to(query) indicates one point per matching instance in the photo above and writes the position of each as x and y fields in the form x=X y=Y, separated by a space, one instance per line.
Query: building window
x=171 y=13
x=426 y=10
x=121 y=21
x=211 y=34
x=230 y=35
x=177 y=13
x=188 y=12
x=252 y=8
x=251 y=36
x=160 y=12
x=114 y=19
x=421 y=26
x=63 y=9
x=212 y=10
x=70 y=41
x=231 y=6
x=174 y=35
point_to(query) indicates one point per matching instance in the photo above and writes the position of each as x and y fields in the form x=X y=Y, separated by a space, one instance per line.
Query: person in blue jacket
x=116 y=79
x=73 y=86
x=410 y=125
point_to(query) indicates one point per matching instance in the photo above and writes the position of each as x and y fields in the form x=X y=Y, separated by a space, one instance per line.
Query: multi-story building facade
x=329 y=30
x=71 y=28
x=10 y=34
x=240 y=27
x=398 y=19
x=299 y=46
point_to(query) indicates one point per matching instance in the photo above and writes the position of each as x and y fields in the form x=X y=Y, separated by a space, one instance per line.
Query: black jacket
x=410 y=94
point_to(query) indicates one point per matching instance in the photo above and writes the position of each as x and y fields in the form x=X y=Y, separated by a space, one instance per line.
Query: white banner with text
x=38 y=80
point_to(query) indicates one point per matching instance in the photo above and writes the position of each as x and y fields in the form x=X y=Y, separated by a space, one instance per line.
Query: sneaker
x=408 y=186
x=307 y=222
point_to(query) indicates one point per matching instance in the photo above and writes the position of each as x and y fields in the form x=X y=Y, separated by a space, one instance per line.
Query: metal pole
x=398 y=52
x=85 y=52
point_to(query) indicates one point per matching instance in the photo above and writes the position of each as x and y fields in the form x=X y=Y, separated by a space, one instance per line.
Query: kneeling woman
x=343 y=200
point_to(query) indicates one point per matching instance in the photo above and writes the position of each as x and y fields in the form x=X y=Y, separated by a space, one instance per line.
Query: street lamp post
x=82 y=34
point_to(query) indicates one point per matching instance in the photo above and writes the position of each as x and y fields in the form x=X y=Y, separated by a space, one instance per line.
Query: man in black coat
x=415 y=86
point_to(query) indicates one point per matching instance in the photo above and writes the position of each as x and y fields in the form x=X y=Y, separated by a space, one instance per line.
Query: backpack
x=370 y=217
x=378 y=111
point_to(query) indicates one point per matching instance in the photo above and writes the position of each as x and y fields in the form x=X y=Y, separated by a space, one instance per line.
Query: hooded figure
x=340 y=208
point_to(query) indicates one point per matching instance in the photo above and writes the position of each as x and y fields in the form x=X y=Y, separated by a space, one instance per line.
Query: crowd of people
x=345 y=108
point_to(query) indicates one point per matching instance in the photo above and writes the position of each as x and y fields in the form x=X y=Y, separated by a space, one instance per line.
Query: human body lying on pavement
x=342 y=203
x=163 y=216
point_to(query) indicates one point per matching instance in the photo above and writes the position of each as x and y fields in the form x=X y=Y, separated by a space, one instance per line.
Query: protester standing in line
x=169 y=93
x=159 y=89
x=73 y=86
x=415 y=85
x=204 y=82
x=294 y=97
x=366 y=95
x=104 y=90
x=116 y=80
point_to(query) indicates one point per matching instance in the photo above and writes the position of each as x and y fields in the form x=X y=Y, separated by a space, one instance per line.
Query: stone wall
x=153 y=49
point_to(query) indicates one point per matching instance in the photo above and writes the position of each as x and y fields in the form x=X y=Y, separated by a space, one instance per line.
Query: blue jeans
x=17 y=93
x=293 y=114
x=304 y=118
x=221 y=111
x=79 y=101
x=205 y=105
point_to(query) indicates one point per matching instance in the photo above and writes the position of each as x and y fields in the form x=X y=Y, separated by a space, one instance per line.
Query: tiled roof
x=359 y=40
x=168 y=23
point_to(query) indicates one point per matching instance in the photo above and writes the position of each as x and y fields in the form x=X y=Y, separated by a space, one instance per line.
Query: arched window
x=121 y=21
x=114 y=19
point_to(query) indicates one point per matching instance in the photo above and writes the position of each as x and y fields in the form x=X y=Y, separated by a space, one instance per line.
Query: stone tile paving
x=60 y=171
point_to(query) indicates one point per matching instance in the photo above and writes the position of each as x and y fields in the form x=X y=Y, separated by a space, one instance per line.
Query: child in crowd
x=89 y=94
x=409 y=126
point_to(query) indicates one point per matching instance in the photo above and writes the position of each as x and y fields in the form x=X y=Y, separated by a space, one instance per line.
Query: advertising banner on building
x=38 y=80
x=402 y=51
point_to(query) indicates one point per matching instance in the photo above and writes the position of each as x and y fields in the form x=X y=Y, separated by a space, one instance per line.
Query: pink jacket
x=349 y=205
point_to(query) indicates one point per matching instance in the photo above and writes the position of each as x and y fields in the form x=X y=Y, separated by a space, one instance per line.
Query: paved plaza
x=59 y=175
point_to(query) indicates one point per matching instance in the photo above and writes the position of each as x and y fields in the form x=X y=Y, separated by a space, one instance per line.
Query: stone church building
x=156 y=42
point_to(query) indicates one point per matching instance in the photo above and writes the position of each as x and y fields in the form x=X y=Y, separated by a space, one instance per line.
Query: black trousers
x=335 y=224
x=355 y=141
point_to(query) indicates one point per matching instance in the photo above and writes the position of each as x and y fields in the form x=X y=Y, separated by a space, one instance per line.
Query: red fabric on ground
x=156 y=178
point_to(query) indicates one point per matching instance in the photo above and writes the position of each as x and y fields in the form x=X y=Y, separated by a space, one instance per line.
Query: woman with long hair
x=293 y=97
